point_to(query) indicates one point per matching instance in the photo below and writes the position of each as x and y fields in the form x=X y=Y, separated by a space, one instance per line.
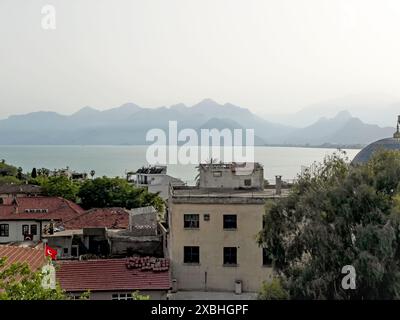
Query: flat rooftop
x=198 y=195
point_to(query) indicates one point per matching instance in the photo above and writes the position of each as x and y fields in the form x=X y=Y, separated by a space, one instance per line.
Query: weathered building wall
x=210 y=273
x=15 y=230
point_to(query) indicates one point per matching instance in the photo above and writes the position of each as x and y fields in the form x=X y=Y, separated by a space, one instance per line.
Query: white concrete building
x=155 y=179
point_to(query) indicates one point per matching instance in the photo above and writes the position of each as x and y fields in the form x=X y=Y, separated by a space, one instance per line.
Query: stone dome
x=385 y=144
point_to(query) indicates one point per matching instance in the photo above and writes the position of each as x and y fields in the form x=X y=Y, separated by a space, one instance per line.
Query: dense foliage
x=339 y=215
x=273 y=290
x=59 y=187
x=116 y=192
x=92 y=193
x=10 y=174
x=18 y=282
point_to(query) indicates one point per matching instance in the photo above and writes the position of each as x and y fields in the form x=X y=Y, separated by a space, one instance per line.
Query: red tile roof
x=109 y=275
x=19 y=189
x=35 y=258
x=58 y=209
x=111 y=218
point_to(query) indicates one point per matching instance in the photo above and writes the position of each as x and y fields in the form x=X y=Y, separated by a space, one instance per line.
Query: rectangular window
x=33 y=229
x=4 y=230
x=191 y=254
x=25 y=229
x=267 y=259
x=230 y=221
x=247 y=182
x=191 y=221
x=217 y=173
x=230 y=256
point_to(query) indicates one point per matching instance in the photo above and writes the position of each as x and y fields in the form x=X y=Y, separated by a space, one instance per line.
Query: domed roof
x=385 y=144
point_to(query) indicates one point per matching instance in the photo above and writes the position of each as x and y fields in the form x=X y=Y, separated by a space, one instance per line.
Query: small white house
x=155 y=179
x=22 y=230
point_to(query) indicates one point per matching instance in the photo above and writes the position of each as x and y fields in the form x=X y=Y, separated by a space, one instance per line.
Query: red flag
x=50 y=252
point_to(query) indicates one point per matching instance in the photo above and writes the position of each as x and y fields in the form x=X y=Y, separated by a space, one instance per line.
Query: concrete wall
x=130 y=246
x=161 y=185
x=216 y=177
x=15 y=230
x=211 y=274
x=59 y=243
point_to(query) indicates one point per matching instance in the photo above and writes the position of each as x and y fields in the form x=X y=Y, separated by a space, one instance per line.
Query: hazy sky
x=267 y=55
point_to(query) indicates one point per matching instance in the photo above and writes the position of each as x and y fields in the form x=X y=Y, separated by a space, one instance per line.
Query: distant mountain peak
x=343 y=115
x=126 y=108
x=128 y=105
x=208 y=100
x=86 y=111
x=207 y=103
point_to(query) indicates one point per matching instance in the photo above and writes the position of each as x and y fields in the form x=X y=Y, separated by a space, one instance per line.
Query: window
x=25 y=229
x=230 y=221
x=230 y=256
x=217 y=173
x=267 y=259
x=36 y=210
x=122 y=296
x=74 y=251
x=4 y=230
x=247 y=182
x=191 y=221
x=65 y=251
x=191 y=254
x=33 y=229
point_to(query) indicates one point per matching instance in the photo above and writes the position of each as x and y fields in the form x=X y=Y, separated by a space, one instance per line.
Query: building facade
x=213 y=234
x=28 y=218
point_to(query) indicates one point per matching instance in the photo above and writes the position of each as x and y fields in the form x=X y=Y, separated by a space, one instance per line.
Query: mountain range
x=376 y=108
x=129 y=123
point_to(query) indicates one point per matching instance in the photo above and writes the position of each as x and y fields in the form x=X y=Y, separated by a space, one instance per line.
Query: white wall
x=15 y=230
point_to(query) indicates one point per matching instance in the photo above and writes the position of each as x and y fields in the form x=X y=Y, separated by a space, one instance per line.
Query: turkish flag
x=50 y=252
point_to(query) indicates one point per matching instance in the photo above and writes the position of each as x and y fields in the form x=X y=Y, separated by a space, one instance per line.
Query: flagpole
x=44 y=246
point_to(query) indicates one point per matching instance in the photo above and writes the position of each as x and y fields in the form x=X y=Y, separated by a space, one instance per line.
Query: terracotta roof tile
x=111 y=218
x=35 y=258
x=57 y=209
x=20 y=188
x=109 y=275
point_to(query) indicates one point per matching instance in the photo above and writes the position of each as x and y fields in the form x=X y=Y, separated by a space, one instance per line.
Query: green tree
x=59 y=187
x=18 y=282
x=9 y=180
x=336 y=216
x=115 y=192
x=7 y=170
x=34 y=173
x=137 y=296
x=19 y=173
x=273 y=290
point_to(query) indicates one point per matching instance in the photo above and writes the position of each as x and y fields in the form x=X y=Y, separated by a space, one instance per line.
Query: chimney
x=278 y=185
